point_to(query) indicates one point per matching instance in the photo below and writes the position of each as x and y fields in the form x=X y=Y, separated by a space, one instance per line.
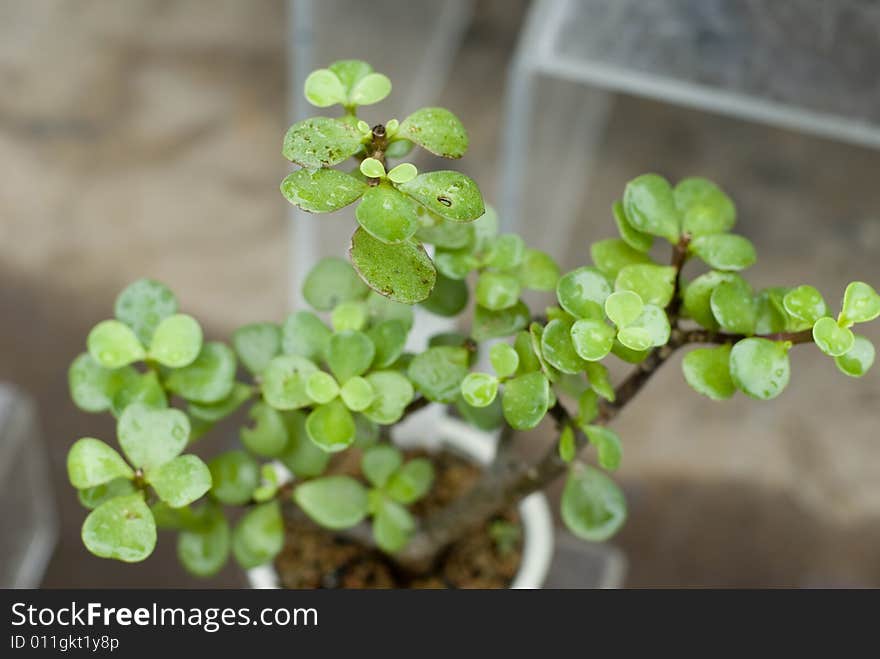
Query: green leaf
x=858 y=359
x=411 y=482
x=143 y=305
x=583 y=292
x=212 y=412
x=635 y=338
x=392 y=526
x=538 y=271
x=449 y=297
x=370 y=89
x=506 y=252
x=608 y=446
x=209 y=379
x=301 y=455
x=142 y=388
x=92 y=497
x=444 y=233
x=93 y=387
x=655 y=284
x=350 y=72
x=372 y=168
x=623 y=308
x=436 y=130
x=381 y=309
x=771 y=314
x=401 y=272
x=403 y=173
x=704 y=207
x=284 y=382
x=490 y=324
x=479 y=389
x=349 y=354
x=151 y=437
x=257 y=344
x=698 y=295
x=321 y=387
x=323 y=89
x=805 y=303
x=613 y=255
x=234 y=476
x=388 y=215
x=588 y=407
x=259 y=535
x=628 y=355
x=861 y=303
x=759 y=367
x=268 y=437
x=113 y=344
x=592 y=506
x=306 y=335
x=176 y=341
x=831 y=338
x=724 y=251
x=180 y=481
x=707 y=370
x=447 y=193
x=525 y=400
x=567 y=446
x=204 y=552
x=733 y=306
x=349 y=316
x=357 y=393
x=393 y=394
x=600 y=382
x=322 y=190
x=455 y=264
x=630 y=235
x=650 y=207
x=496 y=291
x=334 y=502
x=331 y=282
x=504 y=359
x=558 y=349
x=437 y=373
x=592 y=339
x=331 y=427
x=320 y=142
x=91 y=462
x=388 y=338
x=379 y=462
x=121 y=528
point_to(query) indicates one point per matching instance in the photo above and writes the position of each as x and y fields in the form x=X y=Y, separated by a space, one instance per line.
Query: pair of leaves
x=347 y=82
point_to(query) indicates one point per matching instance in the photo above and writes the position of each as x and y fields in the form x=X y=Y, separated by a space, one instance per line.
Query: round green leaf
x=623 y=308
x=151 y=437
x=861 y=303
x=733 y=306
x=388 y=338
x=392 y=526
x=256 y=344
x=203 y=552
x=322 y=190
x=350 y=72
x=323 y=89
x=180 y=481
x=504 y=359
x=479 y=389
x=448 y=298
x=349 y=316
x=525 y=400
x=592 y=339
x=635 y=338
x=304 y=334
x=490 y=324
x=437 y=373
x=234 y=476
x=506 y=252
x=411 y=482
x=698 y=295
x=449 y=194
x=393 y=394
x=142 y=388
x=403 y=173
x=588 y=407
x=93 y=387
x=122 y=528
x=92 y=497
x=771 y=314
x=321 y=387
x=349 y=353
x=707 y=370
x=759 y=367
x=209 y=379
x=628 y=355
x=608 y=446
x=143 y=305
x=320 y=142
x=583 y=292
x=655 y=284
x=372 y=168
x=402 y=272
x=259 y=535
x=592 y=506
x=357 y=393
x=567 y=445
x=538 y=271
x=650 y=207
x=284 y=382
x=212 y=412
x=704 y=207
x=176 y=341
x=805 y=303
x=331 y=427
x=496 y=291
x=612 y=255
x=558 y=349
x=724 y=251
x=334 y=502
x=858 y=359
x=436 y=130
x=631 y=236
x=113 y=344
x=831 y=338
x=268 y=437
x=455 y=264
x=331 y=282
x=379 y=462
x=370 y=89
x=444 y=233
x=301 y=455
x=91 y=462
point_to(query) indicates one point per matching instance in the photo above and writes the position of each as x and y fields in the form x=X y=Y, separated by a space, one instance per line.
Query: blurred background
x=142 y=138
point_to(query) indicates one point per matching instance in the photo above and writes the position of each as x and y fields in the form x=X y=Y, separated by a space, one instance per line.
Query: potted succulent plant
x=318 y=489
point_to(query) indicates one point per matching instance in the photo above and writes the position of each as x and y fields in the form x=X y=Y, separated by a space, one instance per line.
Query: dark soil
x=315 y=558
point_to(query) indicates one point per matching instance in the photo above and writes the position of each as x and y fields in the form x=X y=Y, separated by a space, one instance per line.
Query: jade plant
x=338 y=377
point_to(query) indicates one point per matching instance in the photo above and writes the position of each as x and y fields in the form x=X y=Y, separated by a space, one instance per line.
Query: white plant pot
x=537 y=520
